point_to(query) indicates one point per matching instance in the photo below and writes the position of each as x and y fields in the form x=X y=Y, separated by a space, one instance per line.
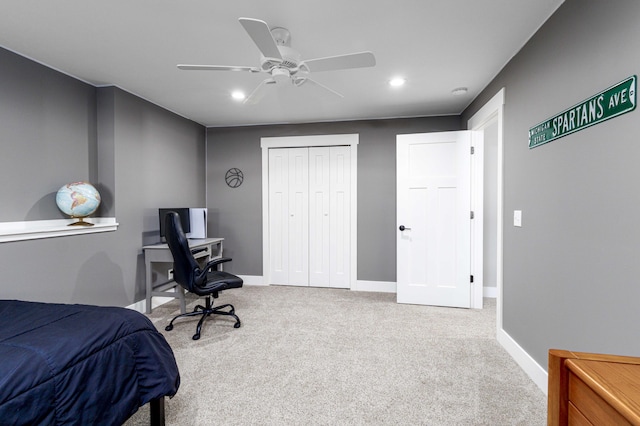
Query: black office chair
x=206 y=281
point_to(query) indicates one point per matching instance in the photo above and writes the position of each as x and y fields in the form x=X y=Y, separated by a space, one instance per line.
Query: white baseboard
x=253 y=279
x=391 y=287
x=141 y=305
x=490 y=292
x=361 y=285
x=377 y=286
x=535 y=372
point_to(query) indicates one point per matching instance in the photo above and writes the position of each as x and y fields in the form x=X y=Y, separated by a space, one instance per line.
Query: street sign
x=610 y=103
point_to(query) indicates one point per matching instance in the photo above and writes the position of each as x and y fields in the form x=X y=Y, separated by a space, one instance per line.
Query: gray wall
x=158 y=162
x=47 y=137
x=571 y=272
x=236 y=214
x=54 y=130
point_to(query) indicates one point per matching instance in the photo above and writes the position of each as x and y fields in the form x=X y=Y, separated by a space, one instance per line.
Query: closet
x=309 y=216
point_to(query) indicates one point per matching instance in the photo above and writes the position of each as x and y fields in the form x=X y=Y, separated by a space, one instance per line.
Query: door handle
x=402 y=228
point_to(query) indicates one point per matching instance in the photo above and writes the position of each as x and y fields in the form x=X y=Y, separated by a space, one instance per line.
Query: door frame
x=350 y=140
x=492 y=110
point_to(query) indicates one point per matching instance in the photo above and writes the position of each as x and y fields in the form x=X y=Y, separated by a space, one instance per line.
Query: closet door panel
x=319 y=219
x=340 y=213
x=279 y=216
x=299 y=216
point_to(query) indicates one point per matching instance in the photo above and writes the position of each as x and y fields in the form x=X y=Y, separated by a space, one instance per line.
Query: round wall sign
x=234 y=177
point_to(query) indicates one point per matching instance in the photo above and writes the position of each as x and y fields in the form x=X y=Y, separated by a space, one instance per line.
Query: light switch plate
x=517 y=218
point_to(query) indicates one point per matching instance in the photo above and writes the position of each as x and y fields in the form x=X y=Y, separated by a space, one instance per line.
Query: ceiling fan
x=282 y=63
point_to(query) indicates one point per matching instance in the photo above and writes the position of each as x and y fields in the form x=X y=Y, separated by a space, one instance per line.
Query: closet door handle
x=403 y=228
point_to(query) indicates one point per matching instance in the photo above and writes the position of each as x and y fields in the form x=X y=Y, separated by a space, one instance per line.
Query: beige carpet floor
x=336 y=357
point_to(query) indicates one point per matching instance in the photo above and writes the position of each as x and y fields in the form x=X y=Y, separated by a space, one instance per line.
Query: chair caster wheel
x=169 y=327
x=196 y=337
x=236 y=325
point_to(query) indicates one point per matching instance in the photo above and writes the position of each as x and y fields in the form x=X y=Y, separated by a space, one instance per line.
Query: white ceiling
x=436 y=45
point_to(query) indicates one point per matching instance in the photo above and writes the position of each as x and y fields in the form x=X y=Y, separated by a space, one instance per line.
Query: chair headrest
x=185 y=266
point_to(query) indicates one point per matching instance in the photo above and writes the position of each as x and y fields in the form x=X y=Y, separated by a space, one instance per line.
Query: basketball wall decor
x=234 y=177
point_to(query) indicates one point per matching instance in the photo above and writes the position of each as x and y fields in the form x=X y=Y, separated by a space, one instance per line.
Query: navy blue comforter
x=77 y=364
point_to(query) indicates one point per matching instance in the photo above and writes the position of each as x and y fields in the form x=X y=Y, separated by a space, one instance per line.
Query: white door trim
x=477 y=224
x=350 y=140
x=485 y=116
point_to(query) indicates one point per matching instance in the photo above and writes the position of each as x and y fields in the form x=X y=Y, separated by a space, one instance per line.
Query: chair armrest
x=215 y=262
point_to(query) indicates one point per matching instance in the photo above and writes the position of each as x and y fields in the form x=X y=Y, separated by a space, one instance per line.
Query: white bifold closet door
x=309 y=216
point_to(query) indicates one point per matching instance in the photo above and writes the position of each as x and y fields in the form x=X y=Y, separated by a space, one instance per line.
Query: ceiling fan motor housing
x=290 y=60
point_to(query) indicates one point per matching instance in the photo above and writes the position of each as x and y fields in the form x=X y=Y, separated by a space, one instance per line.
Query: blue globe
x=78 y=199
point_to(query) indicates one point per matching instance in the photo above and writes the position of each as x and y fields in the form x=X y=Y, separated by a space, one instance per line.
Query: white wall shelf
x=35 y=229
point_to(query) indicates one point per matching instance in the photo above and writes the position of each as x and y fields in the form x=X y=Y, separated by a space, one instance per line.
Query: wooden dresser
x=593 y=389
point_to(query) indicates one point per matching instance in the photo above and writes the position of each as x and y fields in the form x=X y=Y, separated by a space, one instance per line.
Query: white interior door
x=434 y=219
x=341 y=248
x=310 y=216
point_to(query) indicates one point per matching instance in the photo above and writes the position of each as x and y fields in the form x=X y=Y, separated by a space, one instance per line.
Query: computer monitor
x=183 y=212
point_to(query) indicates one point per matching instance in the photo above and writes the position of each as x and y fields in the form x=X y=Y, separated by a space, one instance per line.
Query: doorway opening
x=489 y=119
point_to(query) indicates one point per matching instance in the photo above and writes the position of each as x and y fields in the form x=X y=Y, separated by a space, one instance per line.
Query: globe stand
x=80 y=222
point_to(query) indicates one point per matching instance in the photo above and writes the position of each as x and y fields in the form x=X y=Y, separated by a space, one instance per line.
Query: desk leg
x=183 y=302
x=148 y=285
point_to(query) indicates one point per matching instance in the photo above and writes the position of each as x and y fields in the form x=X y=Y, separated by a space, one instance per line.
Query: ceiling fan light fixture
x=397 y=81
x=281 y=36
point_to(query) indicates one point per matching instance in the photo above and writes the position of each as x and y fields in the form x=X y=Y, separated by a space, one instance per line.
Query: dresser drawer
x=576 y=418
x=595 y=410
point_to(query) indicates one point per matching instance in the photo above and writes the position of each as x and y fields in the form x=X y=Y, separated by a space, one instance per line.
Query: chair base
x=206 y=311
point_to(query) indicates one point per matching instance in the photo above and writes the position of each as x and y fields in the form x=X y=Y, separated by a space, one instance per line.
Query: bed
x=79 y=364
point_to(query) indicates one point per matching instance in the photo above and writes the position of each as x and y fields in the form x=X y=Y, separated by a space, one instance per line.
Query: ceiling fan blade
x=261 y=35
x=304 y=80
x=259 y=92
x=341 y=62
x=217 y=68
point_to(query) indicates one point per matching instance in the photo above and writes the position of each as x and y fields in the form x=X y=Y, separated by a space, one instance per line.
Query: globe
x=78 y=200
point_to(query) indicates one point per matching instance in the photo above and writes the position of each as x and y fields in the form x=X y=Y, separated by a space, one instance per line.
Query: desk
x=205 y=250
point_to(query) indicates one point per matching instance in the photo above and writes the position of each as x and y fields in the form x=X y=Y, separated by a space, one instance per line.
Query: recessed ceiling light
x=238 y=95
x=459 y=91
x=397 y=81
